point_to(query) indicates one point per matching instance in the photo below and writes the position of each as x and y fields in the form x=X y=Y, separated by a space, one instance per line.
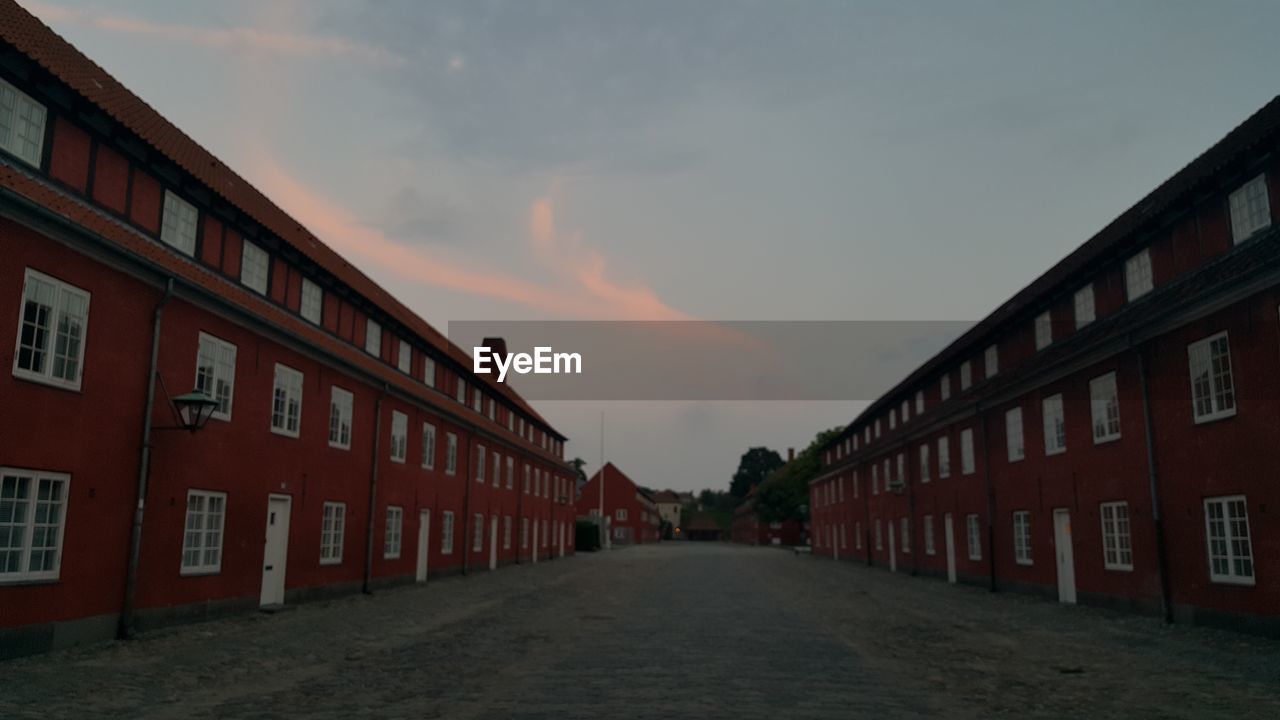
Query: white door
x=275 y=551
x=493 y=542
x=949 y=538
x=1066 y=562
x=893 y=555
x=424 y=543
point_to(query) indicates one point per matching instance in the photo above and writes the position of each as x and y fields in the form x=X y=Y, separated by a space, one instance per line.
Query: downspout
x=144 y=471
x=1157 y=517
x=991 y=503
x=373 y=492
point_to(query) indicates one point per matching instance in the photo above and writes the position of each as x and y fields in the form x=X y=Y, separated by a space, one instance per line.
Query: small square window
x=1137 y=275
x=312 y=302
x=178 y=223
x=254 y=267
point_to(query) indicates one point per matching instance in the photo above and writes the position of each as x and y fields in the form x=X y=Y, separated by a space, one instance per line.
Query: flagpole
x=604 y=539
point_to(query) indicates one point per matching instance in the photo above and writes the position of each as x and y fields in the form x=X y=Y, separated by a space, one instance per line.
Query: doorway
x=893 y=552
x=275 y=551
x=493 y=542
x=948 y=530
x=424 y=544
x=1066 y=559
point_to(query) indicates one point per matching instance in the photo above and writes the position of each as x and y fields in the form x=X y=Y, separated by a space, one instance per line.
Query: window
x=866 y=434
x=893 y=418
x=919 y=402
x=395 y=528
x=906 y=411
x=1013 y=434
x=855 y=484
x=477 y=401
x=1117 y=552
x=975 y=537
x=875 y=479
x=526 y=478
x=254 y=268
x=944 y=457
x=1227 y=531
x=202 y=542
x=904 y=529
x=33 y=508
x=332 y=525
x=178 y=223
x=902 y=468
x=1055 y=425
x=1212 y=393
x=1250 y=210
x=991 y=361
x=51 y=331
x=21 y=124
x=877 y=427
x=340 y=409
x=506 y=533
x=924 y=463
x=879 y=537
x=312 y=302
x=966 y=452
x=286 y=401
x=477 y=538
x=524 y=530
x=1044 y=330
x=620 y=514
x=944 y=386
x=1137 y=275
x=1022 y=537
x=451 y=454
x=480 y=463
x=446 y=533
x=1104 y=403
x=493 y=407
x=966 y=375
x=405 y=362
x=428 y=446
x=429 y=371
x=928 y=536
x=216 y=372
x=399 y=436
x=1085 y=312
x=373 y=338
x=497 y=469
x=461 y=395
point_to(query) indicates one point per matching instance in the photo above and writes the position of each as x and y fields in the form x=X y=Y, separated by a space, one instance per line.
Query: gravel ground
x=676 y=630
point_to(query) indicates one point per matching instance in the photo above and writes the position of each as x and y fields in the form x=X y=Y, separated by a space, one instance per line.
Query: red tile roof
x=44 y=46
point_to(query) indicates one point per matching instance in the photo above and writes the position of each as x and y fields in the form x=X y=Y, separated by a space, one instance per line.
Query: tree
x=578 y=464
x=785 y=494
x=753 y=468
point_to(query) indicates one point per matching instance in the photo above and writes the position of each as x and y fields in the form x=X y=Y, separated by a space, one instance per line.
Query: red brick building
x=632 y=512
x=350 y=446
x=749 y=529
x=1109 y=435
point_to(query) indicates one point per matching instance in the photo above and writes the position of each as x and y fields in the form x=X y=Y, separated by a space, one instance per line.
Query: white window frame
x=333 y=527
x=1044 y=330
x=1055 y=425
x=311 y=307
x=393 y=533
x=341 y=409
x=178 y=222
x=1213 y=394
x=1104 y=398
x=944 y=387
x=893 y=418
x=967 y=464
x=446 y=532
x=399 y=436
x=451 y=454
x=480 y=452
x=1138 y=277
x=25 y=118
x=63 y=295
x=372 y=337
x=966 y=375
x=1022 y=549
x=511 y=472
x=404 y=363
x=1233 y=542
x=905 y=412
x=973 y=533
x=460 y=393
x=24 y=532
x=289 y=382
x=219 y=356
x=620 y=515
x=1085 y=309
x=1250 y=209
x=1014 y=436
x=497 y=469
x=991 y=361
x=944 y=457
x=428 y=371
x=199 y=537
x=924 y=463
x=1117 y=541
x=255 y=267
x=919 y=403
x=428 y=446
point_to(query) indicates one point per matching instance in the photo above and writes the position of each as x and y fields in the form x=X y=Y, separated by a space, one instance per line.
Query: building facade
x=1109 y=435
x=350 y=446
x=669 y=507
x=631 y=512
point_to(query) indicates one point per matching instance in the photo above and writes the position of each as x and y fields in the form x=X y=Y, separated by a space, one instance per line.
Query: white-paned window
x=216 y=372
x=967 y=466
x=373 y=338
x=333 y=523
x=477 y=401
x=51 y=331
x=178 y=223
x=928 y=536
x=286 y=401
x=944 y=457
x=428 y=446
x=1117 y=551
x=405 y=362
x=461 y=393
x=506 y=533
x=1055 y=425
x=1044 y=330
x=312 y=302
x=429 y=371
x=33 y=509
x=1022 y=537
x=1085 y=311
x=446 y=533
x=526 y=479
x=904 y=532
x=480 y=463
x=991 y=359
x=1212 y=392
x=919 y=402
x=255 y=267
x=477 y=538
x=924 y=463
x=394 y=531
x=1137 y=275
x=944 y=387
x=399 y=436
x=21 y=124
x=975 y=536
x=906 y=411
x=1013 y=434
x=341 y=407
x=1227 y=531
x=1104 y=404
x=202 y=541
x=451 y=454
x=893 y=418
x=966 y=375
x=497 y=469
x=1250 y=209
x=620 y=514
x=879 y=537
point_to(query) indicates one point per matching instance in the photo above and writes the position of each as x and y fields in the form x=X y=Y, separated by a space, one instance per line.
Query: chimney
x=791 y=454
x=497 y=347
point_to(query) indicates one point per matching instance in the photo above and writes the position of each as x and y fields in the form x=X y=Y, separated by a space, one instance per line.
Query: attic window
x=21 y=124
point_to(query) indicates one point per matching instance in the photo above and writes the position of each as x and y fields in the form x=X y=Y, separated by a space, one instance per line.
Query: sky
x=661 y=160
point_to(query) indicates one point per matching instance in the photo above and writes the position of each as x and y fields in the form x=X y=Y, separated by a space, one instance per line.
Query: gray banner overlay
x=709 y=360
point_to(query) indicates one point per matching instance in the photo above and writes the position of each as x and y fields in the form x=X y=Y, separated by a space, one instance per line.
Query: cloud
x=286 y=44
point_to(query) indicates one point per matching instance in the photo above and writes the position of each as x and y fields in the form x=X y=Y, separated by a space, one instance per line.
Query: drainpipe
x=123 y=630
x=373 y=493
x=1157 y=517
x=991 y=503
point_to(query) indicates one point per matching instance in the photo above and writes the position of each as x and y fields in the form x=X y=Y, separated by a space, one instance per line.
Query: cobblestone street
x=674 y=630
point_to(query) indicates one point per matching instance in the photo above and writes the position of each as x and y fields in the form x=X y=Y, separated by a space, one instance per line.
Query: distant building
x=632 y=515
x=668 y=511
x=702 y=527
